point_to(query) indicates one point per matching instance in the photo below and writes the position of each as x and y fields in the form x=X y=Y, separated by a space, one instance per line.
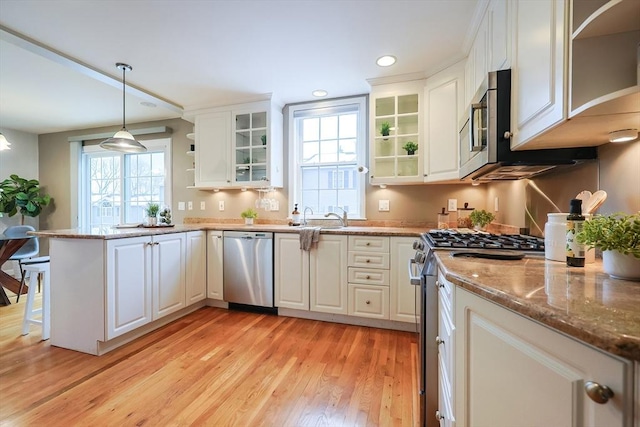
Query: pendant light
x=4 y=144
x=123 y=140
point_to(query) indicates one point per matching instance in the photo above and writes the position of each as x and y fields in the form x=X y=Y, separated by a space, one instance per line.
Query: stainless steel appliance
x=248 y=268
x=423 y=273
x=485 y=146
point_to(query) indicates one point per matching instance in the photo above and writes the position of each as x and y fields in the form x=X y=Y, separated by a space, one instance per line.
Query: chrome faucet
x=343 y=219
x=304 y=217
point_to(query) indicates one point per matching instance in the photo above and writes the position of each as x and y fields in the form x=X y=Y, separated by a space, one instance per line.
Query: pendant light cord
x=124 y=127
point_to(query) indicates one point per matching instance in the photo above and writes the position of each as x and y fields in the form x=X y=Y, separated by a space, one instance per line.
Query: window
x=116 y=187
x=327 y=143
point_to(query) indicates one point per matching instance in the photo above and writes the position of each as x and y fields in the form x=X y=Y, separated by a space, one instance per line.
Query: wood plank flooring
x=214 y=367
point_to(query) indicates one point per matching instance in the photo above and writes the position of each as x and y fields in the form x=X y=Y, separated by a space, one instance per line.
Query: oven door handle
x=413 y=279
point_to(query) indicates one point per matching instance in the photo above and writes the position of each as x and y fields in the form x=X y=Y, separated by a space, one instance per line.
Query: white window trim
x=294 y=150
x=160 y=144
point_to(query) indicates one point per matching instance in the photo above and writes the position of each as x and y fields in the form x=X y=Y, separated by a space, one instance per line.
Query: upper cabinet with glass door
x=396 y=133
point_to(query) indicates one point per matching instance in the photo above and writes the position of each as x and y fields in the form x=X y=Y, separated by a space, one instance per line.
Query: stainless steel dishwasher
x=248 y=268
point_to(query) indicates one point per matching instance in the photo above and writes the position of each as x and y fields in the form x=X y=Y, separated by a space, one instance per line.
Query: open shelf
x=615 y=16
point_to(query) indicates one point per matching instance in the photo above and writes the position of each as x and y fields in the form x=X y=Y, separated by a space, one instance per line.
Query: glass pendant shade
x=123 y=141
x=4 y=144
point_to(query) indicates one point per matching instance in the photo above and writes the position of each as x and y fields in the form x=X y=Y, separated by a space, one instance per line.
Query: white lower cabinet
x=290 y=272
x=145 y=280
x=402 y=293
x=509 y=369
x=369 y=301
x=328 y=275
x=129 y=289
x=196 y=279
x=214 y=265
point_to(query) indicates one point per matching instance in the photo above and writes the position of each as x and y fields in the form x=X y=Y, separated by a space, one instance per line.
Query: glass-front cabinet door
x=396 y=133
x=251 y=145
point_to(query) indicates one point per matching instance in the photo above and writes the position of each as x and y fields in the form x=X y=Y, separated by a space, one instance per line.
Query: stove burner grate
x=453 y=239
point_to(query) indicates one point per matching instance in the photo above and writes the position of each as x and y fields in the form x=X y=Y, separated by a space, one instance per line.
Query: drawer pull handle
x=368 y=302
x=438 y=284
x=598 y=393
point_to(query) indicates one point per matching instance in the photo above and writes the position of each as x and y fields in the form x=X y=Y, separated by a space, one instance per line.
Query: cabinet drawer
x=369 y=243
x=369 y=301
x=367 y=276
x=368 y=259
x=445 y=289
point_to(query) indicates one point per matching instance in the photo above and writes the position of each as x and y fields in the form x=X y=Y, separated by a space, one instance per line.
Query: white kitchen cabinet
x=402 y=293
x=509 y=368
x=499 y=35
x=369 y=301
x=399 y=105
x=538 y=92
x=129 y=285
x=444 y=106
x=290 y=272
x=445 y=342
x=479 y=52
x=368 y=276
x=213 y=145
x=328 y=275
x=214 y=265
x=168 y=261
x=239 y=146
x=196 y=266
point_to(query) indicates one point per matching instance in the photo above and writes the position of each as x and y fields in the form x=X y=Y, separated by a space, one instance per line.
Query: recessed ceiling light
x=148 y=104
x=319 y=93
x=385 y=61
x=623 y=135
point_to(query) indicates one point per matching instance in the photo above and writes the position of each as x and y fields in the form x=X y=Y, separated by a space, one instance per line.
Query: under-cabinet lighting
x=319 y=93
x=4 y=144
x=475 y=182
x=386 y=60
x=623 y=135
x=383 y=186
x=243 y=189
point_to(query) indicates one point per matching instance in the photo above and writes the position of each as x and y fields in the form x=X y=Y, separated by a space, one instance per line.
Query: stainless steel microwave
x=485 y=139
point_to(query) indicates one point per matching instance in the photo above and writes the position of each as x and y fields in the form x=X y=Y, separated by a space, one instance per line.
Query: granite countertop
x=119 y=233
x=584 y=303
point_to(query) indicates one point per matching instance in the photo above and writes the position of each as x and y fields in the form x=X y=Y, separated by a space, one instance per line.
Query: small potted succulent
x=152 y=213
x=249 y=215
x=410 y=147
x=481 y=218
x=385 y=128
x=618 y=236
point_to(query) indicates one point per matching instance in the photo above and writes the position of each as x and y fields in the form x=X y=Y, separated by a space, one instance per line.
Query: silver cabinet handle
x=598 y=393
x=439 y=416
x=439 y=340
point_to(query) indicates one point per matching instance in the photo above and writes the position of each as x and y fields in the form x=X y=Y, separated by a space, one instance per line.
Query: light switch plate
x=274 y=205
x=180 y=206
x=452 y=205
x=202 y=206
x=190 y=205
x=221 y=205
x=383 y=206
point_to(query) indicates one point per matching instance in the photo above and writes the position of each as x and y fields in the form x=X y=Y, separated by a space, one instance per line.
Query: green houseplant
x=481 y=218
x=22 y=195
x=618 y=236
x=249 y=215
x=410 y=147
x=152 y=213
x=385 y=128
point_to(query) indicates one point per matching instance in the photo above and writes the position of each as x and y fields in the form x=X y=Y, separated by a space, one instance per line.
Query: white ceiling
x=202 y=53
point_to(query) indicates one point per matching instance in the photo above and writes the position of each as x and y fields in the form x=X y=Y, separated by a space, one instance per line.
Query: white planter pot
x=620 y=266
x=152 y=220
x=248 y=221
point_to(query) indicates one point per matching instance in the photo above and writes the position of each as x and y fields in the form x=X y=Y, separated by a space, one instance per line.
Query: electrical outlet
x=452 y=205
x=190 y=205
x=495 y=204
x=383 y=206
x=180 y=206
x=221 y=205
x=274 y=205
x=202 y=206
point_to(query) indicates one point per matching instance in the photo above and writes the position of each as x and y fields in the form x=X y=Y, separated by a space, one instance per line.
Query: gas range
x=454 y=239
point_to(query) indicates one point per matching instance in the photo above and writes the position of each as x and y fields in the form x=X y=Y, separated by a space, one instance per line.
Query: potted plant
x=618 y=236
x=165 y=216
x=22 y=195
x=385 y=128
x=411 y=147
x=263 y=138
x=481 y=218
x=152 y=213
x=249 y=215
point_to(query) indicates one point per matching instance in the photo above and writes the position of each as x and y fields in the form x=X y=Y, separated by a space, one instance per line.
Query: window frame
x=295 y=148
x=153 y=146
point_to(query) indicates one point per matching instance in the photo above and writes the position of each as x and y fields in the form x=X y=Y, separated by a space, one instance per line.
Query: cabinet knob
x=508 y=135
x=367 y=260
x=598 y=393
x=439 y=416
x=439 y=341
x=368 y=277
x=368 y=302
x=368 y=244
x=439 y=285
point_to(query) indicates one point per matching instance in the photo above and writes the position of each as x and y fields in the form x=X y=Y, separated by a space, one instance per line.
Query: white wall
x=22 y=160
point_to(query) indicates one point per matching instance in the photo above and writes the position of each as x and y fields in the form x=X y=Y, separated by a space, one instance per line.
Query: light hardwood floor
x=213 y=368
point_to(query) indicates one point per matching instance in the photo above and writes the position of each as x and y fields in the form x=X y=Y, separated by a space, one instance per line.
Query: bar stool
x=37 y=271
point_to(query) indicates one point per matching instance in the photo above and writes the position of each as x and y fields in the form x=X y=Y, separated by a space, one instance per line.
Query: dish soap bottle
x=575 y=222
x=295 y=215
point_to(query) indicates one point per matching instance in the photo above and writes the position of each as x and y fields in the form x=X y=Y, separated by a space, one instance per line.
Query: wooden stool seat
x=37 y=271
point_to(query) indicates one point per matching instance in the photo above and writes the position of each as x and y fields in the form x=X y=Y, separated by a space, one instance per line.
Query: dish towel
x=309 y=236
